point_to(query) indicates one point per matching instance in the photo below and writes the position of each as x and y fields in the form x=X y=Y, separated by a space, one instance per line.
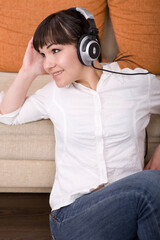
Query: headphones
x=88 y=48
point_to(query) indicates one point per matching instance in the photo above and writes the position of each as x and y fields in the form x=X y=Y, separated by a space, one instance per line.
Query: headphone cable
x=145 y=73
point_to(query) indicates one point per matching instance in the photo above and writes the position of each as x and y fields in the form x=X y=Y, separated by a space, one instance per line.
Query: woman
x=100 y=191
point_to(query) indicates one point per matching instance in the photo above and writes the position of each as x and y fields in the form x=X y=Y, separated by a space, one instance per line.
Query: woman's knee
x=150 y=178
x=144 y=182
x=148 y=183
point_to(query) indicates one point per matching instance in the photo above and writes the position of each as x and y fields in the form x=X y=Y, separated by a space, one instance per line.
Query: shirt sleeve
x=34 y=108
x=154 y=93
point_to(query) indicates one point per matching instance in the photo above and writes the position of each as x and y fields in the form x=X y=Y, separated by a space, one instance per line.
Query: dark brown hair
x=63 y=27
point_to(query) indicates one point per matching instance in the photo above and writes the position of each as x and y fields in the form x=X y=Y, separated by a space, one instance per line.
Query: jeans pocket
x=53 y=216
x=56 y=215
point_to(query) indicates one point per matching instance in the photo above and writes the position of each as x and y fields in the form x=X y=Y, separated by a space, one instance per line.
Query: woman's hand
x=16 y=94
x=154 y=162
x=32 y=61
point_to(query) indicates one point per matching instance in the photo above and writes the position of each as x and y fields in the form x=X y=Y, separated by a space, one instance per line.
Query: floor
x=24 y=216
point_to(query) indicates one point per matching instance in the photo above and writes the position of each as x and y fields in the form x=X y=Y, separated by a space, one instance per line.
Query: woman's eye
x=42 y=54
x=55 y=50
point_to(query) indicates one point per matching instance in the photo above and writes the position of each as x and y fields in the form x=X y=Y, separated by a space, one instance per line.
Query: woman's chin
x=61 y=84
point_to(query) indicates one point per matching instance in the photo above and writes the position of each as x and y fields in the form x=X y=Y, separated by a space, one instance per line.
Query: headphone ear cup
x=88 y=49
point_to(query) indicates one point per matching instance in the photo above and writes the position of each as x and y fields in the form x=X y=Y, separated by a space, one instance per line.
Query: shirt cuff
x=8 y=118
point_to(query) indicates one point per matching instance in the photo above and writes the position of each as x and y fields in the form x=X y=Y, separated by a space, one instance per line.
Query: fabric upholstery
x=136 y=26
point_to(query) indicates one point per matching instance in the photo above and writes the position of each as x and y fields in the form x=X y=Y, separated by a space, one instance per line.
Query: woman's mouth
x=56 y=74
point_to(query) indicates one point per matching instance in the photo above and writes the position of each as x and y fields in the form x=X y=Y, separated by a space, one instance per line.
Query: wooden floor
x=24 y=216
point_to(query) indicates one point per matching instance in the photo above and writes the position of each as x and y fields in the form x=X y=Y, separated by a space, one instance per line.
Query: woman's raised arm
x=32 y=67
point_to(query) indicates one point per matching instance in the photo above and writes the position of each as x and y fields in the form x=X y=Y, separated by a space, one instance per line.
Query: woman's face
x=62 y=63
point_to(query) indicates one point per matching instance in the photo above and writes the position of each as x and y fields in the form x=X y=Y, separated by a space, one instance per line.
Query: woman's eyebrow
x=49 y=45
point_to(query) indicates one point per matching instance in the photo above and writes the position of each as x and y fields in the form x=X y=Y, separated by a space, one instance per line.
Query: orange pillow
x=19 y=20
x=136 y=24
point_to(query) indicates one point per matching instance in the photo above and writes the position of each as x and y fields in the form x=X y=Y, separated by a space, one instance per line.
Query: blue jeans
x=124 y=210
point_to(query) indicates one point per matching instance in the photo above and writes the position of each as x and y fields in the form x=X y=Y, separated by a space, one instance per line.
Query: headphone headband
x=87 y=14
x=90 y=18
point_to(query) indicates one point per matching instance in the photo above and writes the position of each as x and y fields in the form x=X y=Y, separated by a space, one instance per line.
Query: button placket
x=99 y=138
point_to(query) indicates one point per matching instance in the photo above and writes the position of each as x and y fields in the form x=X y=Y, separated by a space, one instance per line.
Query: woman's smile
x=57 y=74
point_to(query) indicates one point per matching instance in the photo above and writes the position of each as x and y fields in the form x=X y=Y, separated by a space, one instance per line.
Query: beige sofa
x=27 y=151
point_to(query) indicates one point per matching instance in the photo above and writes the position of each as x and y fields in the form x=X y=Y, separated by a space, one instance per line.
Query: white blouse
x=99 y=134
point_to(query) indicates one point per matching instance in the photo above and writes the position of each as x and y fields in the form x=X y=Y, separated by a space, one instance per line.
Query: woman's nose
x=49 y=63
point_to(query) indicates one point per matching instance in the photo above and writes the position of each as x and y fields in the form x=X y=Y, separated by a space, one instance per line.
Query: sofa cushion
x=153 y=131
x=136 y=26
x=19 y=20
x=26 y=175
